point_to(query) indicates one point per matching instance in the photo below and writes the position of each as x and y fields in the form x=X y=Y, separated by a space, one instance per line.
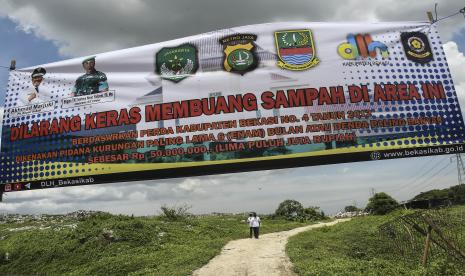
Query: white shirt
x=254 y=222
x=42 y=96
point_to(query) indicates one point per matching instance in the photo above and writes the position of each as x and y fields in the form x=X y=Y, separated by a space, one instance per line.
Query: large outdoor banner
x=248 y=98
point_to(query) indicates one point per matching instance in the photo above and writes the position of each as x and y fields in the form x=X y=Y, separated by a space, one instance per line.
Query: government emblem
x=177 y=63
x=239 y=53
x=296 y=50
x=416 y=47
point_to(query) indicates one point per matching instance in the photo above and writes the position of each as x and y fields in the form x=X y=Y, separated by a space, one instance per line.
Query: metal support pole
x=13 y=64
x=460 y=168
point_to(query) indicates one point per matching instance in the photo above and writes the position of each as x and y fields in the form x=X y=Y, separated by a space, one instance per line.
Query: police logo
x=177 y=63
x=239 y=53
x=296 y=50
x=416 y=47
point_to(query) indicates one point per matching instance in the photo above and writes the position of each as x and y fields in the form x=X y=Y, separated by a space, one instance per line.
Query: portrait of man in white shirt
x=35 y=93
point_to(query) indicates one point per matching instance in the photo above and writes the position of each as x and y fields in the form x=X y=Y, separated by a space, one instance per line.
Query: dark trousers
x=255 y=231
x=251 y=231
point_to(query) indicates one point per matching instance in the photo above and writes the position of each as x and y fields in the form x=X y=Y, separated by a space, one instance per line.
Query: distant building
x=427 y=203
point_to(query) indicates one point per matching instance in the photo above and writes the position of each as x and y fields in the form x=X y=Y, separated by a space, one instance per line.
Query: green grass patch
x=120 y=245
x=356 y=248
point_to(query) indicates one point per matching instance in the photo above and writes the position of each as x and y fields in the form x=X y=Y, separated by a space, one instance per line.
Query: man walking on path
x=255 y=224
x=265 y=256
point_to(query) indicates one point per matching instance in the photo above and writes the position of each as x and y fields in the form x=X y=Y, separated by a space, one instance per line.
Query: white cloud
x=456 y=61
x=86 y=27
x=189 y=186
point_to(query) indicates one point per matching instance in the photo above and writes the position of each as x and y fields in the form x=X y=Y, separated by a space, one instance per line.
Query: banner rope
x=461 y=11
x=454 y=14
x=436 y=20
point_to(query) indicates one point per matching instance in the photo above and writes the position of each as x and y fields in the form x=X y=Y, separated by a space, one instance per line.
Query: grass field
x=138 y=246
x=355 y=248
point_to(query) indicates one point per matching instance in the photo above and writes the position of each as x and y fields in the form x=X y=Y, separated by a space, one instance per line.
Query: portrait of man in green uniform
x=91 y=82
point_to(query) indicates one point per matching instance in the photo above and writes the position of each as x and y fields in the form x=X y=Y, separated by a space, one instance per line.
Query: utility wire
x=414 y=187
x=428 y=162
x=414 y=176
x=433 y=181
x=447 y=172
x=429 y=169
x=420 y=180
x=422 y=175
x=421 y=184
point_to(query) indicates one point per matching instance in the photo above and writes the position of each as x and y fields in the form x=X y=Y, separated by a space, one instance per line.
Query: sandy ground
x=256 y=257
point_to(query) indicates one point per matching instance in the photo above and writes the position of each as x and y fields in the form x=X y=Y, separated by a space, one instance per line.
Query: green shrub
x=356 y=248
x=289 y=208
x=381 y=204
x=294 y=210
x=176 y=212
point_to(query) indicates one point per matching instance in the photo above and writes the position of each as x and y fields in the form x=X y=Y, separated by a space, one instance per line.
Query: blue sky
x=38 y=32
x=26 y=48
x=459 y=38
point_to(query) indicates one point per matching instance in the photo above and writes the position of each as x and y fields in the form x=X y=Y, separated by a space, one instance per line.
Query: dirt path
x=252 y=257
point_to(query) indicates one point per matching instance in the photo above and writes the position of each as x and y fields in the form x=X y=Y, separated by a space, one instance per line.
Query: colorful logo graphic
x=17 y=187
x=416 y=47
x=296 y=50
x=177 y=63
x=361 y=47
x=239 y=53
